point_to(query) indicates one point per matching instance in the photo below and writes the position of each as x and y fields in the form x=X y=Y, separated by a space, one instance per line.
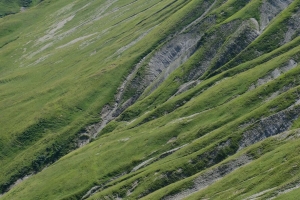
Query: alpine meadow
x=149 y=99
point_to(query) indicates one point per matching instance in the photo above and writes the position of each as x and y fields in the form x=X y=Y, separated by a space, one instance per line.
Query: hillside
x=8 y=7
x=135 y=99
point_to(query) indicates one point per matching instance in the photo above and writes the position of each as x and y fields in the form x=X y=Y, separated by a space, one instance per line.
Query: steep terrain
x=135 y=99
x=8 y=7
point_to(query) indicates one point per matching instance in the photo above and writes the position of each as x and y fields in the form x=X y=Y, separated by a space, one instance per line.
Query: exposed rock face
x=210 y=45
x=270 y=126
x=269 y=10
x=170 y=57
x=164 y=62
x=274 y=74
x=211 y=176
x=293 y=28
x=173 y=54
x=246 y=33
x=108 y=113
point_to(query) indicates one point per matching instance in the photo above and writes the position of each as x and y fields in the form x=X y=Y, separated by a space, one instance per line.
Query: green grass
x=61 y=95
x=258 y=176
x=54 y=83
x=270 y=40
x=8 y=7
x=87 y=158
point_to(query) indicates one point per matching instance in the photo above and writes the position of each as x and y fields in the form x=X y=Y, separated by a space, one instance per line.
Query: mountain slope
x=14 y=6
x=178 y=99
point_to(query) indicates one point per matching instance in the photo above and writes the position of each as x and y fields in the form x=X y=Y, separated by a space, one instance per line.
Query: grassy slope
x=256 y=176
x=193 y=127
x=13 y=6
x=87 y=163
x=281 y=155
x=68 y=95
x=45 y=101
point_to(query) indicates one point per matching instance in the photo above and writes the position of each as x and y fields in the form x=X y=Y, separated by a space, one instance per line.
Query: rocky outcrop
x=209 y=177
x=246 y=33
x=272 y=125
x=108 y=112
x=291 y=64
x=293 y=28
x=169 y=58
x=176 y=51
x=209 y=47
x=270 y=9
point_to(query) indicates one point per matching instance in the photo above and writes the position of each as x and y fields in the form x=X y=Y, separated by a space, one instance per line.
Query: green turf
x=61 y=62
